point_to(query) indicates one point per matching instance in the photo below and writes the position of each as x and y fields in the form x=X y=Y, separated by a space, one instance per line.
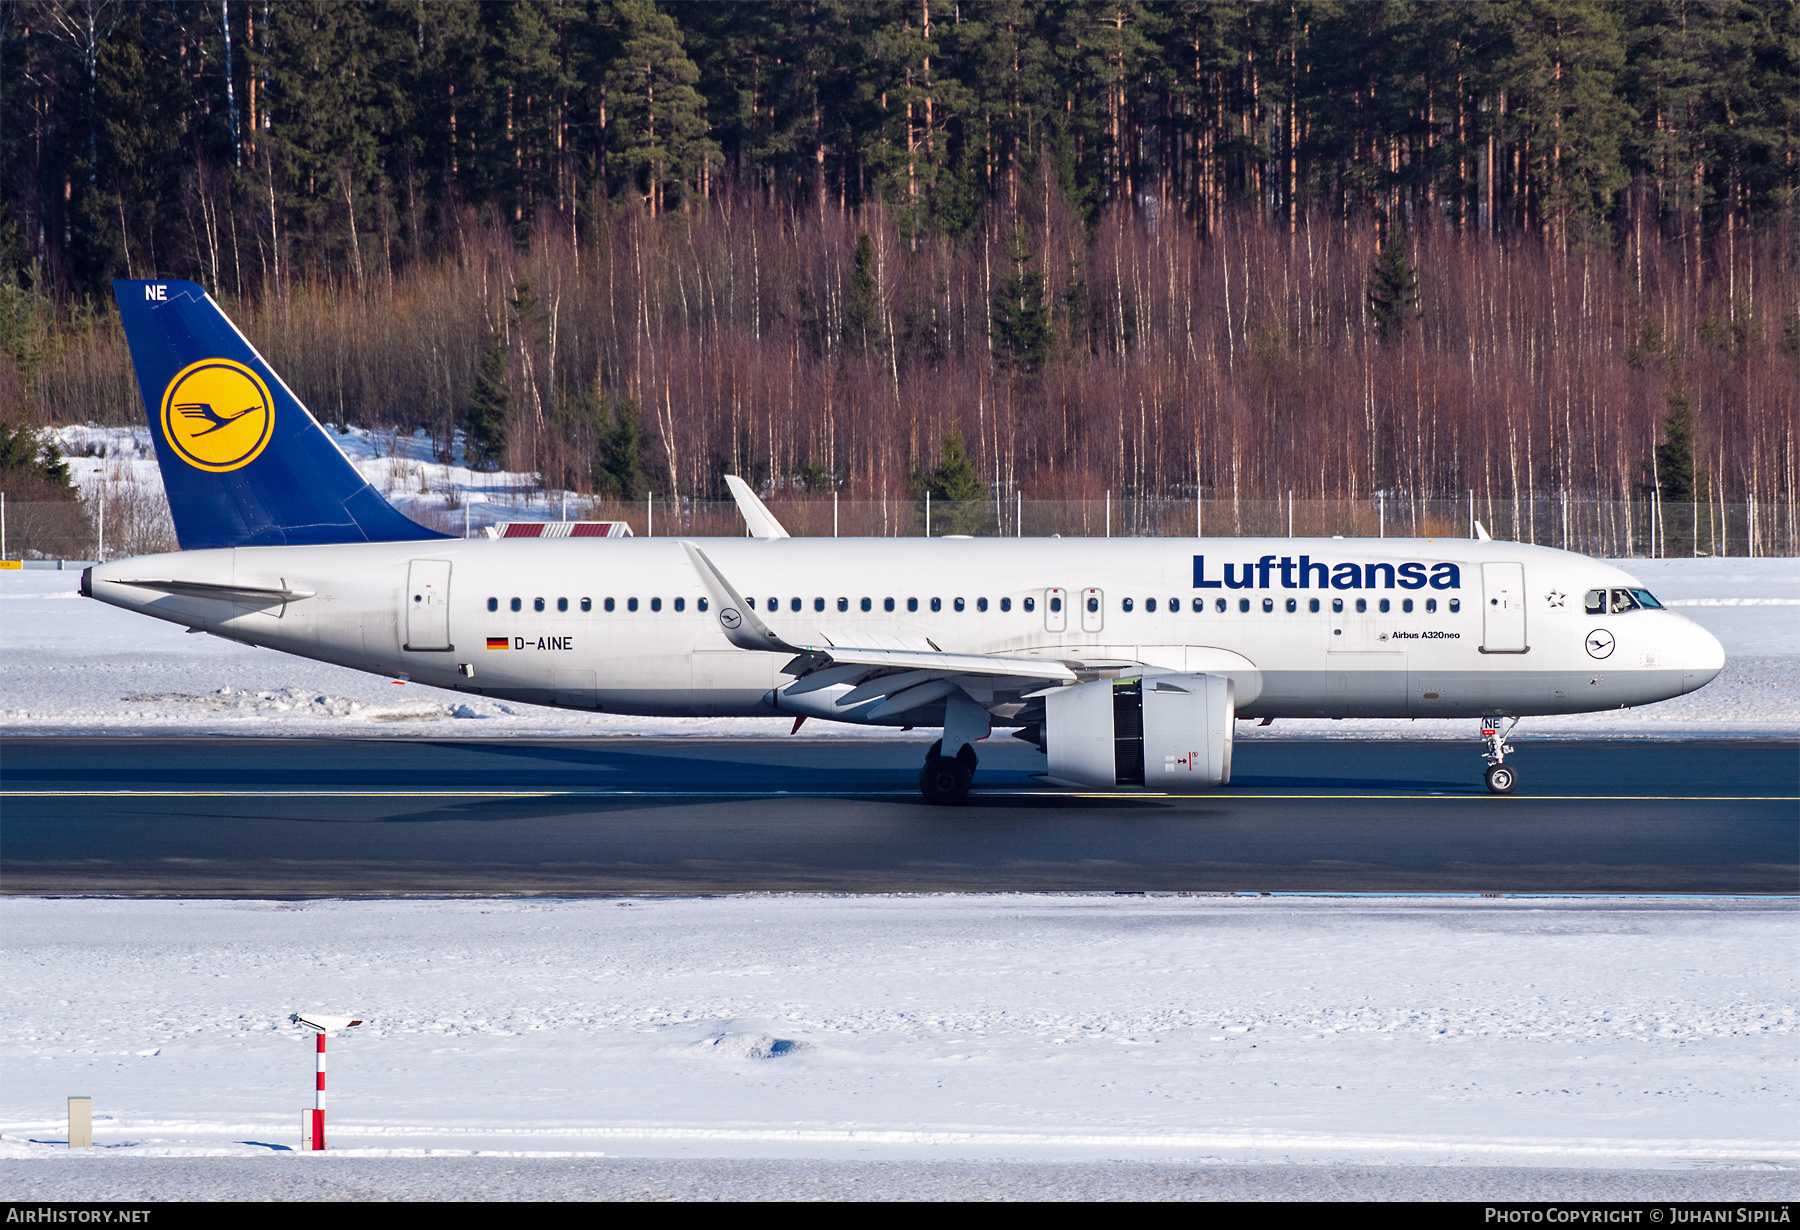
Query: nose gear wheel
x=1501 y=777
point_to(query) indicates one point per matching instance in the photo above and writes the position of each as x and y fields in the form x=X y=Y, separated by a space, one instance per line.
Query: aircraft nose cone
x=1702 y=657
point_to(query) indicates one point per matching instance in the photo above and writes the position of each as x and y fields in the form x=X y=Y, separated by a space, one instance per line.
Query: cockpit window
x=1646 y=599
x=1594 y=602
x=1622 y=601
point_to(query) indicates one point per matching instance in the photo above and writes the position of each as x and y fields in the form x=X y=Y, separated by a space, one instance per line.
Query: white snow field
x=1072 y=1035
x=73 y=666
x=403 y=467
x=987 y=1047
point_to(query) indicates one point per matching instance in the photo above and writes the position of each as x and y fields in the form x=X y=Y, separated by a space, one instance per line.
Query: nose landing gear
x=1501 y=777
x=945 y=780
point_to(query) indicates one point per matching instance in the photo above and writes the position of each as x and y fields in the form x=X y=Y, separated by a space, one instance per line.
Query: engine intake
x=1167 y=732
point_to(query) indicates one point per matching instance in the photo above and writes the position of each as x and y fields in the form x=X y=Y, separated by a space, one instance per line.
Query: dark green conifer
x=958 y=495
x=1393 y=289
x=862 y=312
x=490 y=406
x=619 y=451
x=1675 y=478
x=31 y=466
x=1021 y=328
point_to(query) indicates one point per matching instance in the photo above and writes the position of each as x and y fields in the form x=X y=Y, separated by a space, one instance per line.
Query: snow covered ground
x=1008 y=1046
x=404 y=468
x=71 y=666
x=1610 y=1034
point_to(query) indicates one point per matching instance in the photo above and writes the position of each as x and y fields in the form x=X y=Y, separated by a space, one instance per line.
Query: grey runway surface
x=257 y=817
x=290 y=1177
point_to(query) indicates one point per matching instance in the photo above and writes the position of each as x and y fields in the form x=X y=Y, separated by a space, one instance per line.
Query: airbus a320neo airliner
x=1126 y=662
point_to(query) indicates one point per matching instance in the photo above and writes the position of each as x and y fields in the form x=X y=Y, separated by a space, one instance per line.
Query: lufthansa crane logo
x=217 y=415
x=1600 y=643
x=730 y=618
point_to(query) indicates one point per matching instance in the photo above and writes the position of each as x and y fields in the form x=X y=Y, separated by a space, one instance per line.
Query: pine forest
x=988 y=249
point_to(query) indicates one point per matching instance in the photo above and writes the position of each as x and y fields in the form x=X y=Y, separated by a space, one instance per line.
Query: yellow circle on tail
x=217 y=415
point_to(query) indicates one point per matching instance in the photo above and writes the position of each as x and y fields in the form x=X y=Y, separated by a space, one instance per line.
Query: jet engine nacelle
x=1167 y=732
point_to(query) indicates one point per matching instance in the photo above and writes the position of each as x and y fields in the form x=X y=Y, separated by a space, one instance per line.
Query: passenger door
x=1503 y=608
x=428 y=605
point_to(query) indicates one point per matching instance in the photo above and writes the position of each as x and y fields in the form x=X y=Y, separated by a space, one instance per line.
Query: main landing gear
x=1502 y=778
x=946 y=779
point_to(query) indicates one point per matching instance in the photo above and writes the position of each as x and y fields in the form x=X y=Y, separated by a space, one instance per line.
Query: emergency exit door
x=428 y=605
x=1503 y=608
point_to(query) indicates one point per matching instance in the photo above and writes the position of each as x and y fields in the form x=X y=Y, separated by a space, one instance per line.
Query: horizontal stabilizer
x=225 y=593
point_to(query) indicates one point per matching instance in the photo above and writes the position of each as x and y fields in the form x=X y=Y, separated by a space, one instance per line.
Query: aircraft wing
x=899 y=677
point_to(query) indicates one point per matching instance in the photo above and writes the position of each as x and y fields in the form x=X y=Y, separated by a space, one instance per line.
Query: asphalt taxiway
x=237 y=817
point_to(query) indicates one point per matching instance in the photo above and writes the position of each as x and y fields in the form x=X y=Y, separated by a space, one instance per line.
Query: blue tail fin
x=242 y=460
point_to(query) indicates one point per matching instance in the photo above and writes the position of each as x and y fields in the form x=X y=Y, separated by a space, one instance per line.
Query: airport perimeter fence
x=1609 y=528
x=133 y=522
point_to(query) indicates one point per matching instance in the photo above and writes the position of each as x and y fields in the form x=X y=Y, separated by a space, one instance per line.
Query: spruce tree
x=1675 y=479
x=484 y=425
x=862 y=311
x=1021 y=328
x=31 y=466
x=955 y=484
x=619 y=447
x=1393 y=289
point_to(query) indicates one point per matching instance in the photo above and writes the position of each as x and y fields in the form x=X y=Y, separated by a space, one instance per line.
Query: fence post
x=1471 y=512
x=1381 y=514
x=100 y=548
x=928 y=514
x=1109 y=512
x=1565 y=516
x=650 y=515
x=834 y=515
x=1290 y=512
x=1019 y=522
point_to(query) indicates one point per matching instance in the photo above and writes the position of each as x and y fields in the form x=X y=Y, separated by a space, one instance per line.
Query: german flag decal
x=497 y=642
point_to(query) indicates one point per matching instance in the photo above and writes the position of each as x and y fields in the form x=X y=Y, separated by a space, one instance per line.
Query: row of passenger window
x=587 y=604
x=1292 y=605
x=1383 y=605
x=889 y=604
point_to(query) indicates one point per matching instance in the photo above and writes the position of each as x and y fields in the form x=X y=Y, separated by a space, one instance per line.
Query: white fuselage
x=1475 y=628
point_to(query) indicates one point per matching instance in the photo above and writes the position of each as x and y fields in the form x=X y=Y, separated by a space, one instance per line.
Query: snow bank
x=330 y=1176
x=404 y=467
x=72 y=666
x=1397 y=1031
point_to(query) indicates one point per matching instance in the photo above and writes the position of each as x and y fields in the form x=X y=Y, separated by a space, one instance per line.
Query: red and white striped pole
x=318 y=1132
x=320 y=1025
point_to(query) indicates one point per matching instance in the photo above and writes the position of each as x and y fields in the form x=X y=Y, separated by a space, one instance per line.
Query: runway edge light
x=322 y=1026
